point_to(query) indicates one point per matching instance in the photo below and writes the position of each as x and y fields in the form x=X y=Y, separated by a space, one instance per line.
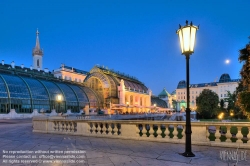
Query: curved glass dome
x=225 y=78
x=181 y=84
x=24 y=94
x=159 y=102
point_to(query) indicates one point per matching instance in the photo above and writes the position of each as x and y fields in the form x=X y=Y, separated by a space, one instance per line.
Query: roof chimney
x=38 y=69
x=22 y=66
x=46 y=70
x=31 y=67
x=13 y=64
x=2 y=62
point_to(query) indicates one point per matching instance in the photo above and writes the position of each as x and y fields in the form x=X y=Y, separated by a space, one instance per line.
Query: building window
x=221 y=95
x=225 y=95
x=37 y=62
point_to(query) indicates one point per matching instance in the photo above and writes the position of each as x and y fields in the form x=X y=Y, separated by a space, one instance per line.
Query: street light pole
x=59 y=99
x=187 y=35
x=188 y=152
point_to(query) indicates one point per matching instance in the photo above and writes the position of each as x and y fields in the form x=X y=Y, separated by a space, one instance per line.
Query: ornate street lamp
x=187 y=35
x=59 y=100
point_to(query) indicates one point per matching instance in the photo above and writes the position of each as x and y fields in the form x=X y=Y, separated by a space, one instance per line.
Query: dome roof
x=164 y=93
x=225 y=78
x=181 y=84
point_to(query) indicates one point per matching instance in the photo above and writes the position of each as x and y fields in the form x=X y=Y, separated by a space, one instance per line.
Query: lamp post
x=155 y=108
x=59 y=99
x=187 y=35
x=127 y=106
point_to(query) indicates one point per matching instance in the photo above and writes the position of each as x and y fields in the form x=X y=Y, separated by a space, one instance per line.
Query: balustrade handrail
x=247 y=124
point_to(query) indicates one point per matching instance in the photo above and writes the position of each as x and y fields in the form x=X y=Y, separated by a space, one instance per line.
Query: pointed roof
x=37 y=50
x=164 y=93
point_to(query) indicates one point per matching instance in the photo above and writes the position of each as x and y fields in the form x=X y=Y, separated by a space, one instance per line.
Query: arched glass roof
x=3 y=90
x=159 y=102
x=24 y=94
x=38 y=91
x=52 y=89
x=16 y=86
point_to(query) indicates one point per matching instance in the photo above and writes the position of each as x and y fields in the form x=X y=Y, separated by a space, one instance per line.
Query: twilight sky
x=131 y=36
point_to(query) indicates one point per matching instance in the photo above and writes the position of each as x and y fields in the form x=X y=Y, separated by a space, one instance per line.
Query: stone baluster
x=115 y=129
x=239 y=135
x=159 y=132
x=144 y=130
x=110 y=129
x=59 y=126
x=217 y=134
x=66 y=126
x=167 y=132
x=228 y=134
x=151 y=131
x=175 y=132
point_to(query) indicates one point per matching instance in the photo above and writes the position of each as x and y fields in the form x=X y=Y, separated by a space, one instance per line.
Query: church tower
x=37 y=54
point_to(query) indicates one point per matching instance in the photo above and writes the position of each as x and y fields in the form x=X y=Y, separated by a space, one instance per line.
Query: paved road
x=16 y=137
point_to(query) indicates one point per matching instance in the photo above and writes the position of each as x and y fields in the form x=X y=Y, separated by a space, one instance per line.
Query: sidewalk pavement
x=16 y=136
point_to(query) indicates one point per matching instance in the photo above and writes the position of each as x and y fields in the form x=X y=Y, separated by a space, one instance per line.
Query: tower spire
x=37 y=50
x=37 y=40
x=37 y=54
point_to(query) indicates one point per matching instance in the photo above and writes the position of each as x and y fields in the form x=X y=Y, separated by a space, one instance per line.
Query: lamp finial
x=186 y=22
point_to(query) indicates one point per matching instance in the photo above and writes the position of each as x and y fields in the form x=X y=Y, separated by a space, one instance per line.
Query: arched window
x=37 y=62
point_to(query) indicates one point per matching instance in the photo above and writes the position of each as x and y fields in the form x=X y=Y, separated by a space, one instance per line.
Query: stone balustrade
x=225 y=134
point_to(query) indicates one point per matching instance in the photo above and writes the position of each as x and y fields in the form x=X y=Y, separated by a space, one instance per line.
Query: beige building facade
x=220 y=88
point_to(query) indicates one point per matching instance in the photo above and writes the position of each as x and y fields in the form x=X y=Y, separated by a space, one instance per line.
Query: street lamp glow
x=187 y=35
x=59 y=98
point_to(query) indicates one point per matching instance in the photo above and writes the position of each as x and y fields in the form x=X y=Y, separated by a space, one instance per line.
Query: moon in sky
x=227 y=61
